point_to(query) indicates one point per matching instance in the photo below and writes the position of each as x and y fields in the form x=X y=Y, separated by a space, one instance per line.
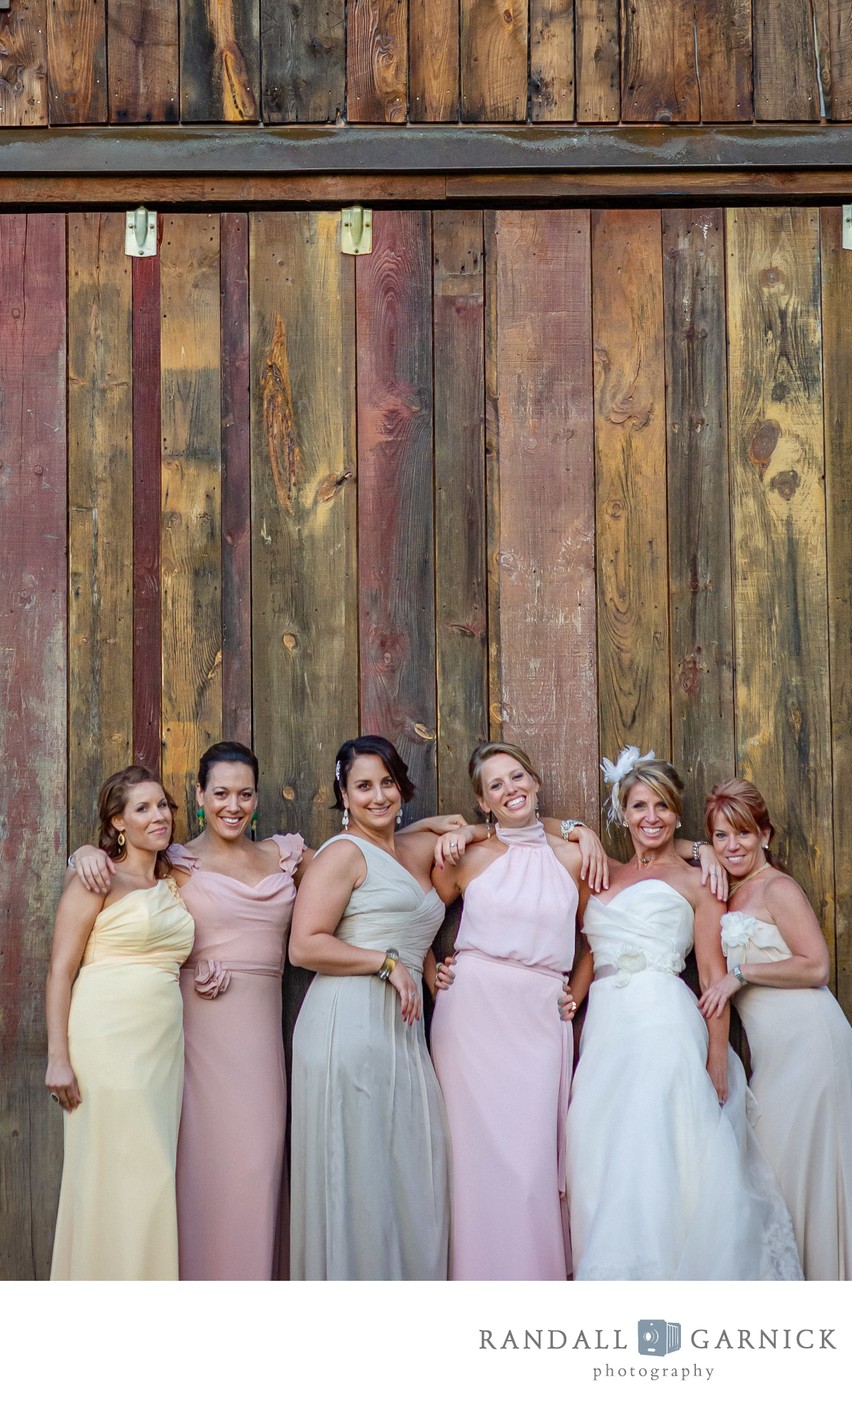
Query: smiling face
x=509 y=791
x=228 y=800
x=146 y=819
x=372 y=795
x=739 y=850
x=650 y=819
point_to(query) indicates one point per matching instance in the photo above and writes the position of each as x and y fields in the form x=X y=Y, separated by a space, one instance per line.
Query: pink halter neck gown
x=503 y=1057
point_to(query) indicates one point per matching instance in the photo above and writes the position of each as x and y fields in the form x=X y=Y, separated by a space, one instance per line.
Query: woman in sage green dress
x=370 y=1179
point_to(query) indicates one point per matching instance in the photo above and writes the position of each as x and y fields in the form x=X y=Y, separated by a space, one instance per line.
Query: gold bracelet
x=391 y=958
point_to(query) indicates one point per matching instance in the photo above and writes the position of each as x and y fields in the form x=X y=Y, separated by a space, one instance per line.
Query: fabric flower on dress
x=737 y=931
x=629 y=963
x=211 y=978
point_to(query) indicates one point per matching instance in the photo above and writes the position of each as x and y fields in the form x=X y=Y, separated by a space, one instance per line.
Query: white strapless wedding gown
x=663 y=1184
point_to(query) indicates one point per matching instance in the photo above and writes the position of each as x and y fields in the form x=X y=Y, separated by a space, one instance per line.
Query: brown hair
x=351 y=750
x=112 y=800
x=741 y=805
x=497 y=747
x=661 y=777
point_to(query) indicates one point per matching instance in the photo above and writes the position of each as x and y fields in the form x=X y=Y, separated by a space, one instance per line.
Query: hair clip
x=337 y=772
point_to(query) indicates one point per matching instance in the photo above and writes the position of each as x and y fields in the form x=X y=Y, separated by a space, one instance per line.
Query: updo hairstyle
x=351 y=750
x=227 y=752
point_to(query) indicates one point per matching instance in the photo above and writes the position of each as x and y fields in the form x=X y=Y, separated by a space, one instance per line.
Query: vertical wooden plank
x=303 y=44
x=837 y=359
x=191 y=564
x=724 y=59
x=433 y=78
x=147 y=636
x=143 y=57
x=542 y=534
x=236 y=480
x=630 y=456
x=100 y=512
x=32 y=718
x=598 y=61
x=698 y=505
x=304 y=523
x=840 y=41
x=786 y=87
x=377 y=61
x=303 y=513
x=23 y=65
x=395 y=512
x=779 y=546
x=219 y=60
x=76 y=48
x=659 y=82
x=494 y=42
x=460 y=543
x=552 y=61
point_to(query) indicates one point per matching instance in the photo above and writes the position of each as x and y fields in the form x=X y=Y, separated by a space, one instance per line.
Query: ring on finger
x=54 y=1098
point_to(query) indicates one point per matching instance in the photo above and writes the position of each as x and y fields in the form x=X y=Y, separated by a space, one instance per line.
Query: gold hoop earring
x=121 y=840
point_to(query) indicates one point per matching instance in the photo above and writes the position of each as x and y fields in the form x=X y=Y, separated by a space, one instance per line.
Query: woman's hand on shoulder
x=594 y=864
x=713 y=875
x=450 y=848
x=94 y=868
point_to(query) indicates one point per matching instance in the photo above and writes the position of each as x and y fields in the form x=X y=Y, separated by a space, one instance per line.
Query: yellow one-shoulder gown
x=117 y=1211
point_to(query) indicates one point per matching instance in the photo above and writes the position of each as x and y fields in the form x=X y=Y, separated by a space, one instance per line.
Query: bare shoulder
x=781 y=895
x=76 y=900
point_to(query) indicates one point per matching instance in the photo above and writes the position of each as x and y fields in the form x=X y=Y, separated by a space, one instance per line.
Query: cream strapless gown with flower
x=801 y=1053
x=663 y=1184
x=117 y=1211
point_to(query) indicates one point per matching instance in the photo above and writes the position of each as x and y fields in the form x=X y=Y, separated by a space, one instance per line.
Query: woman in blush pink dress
x=232 y=1214
x=500 y=1042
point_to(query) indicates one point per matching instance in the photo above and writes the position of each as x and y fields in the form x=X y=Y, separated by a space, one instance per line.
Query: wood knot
x=290 y=640
x=288 y=793
x=786 y=483
x=763 y=443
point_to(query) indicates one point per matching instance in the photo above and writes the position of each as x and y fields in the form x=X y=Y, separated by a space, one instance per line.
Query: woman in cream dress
x=799 y=1039
x=115 y=1047
x=370 y=1178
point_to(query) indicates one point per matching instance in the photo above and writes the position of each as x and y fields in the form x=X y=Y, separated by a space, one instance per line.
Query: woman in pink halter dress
x=502 y=1051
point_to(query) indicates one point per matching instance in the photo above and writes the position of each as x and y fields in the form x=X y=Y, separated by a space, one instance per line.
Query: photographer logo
x=657 y=1338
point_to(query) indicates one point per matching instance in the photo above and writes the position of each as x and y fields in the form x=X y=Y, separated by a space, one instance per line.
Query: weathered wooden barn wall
x=574 y=478
x=425 y=61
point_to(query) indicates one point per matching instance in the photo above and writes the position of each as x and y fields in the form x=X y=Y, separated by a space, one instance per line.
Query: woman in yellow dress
x=115 y=1045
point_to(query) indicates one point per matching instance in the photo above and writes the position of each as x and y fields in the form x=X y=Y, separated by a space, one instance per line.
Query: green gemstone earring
x=200 y=816
x=254 y=825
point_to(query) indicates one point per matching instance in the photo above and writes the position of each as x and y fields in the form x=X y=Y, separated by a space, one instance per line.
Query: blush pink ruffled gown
x=503 y=1058
x=232 y=1212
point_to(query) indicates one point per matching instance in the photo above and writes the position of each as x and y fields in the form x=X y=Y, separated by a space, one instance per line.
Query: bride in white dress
x=665 y=1179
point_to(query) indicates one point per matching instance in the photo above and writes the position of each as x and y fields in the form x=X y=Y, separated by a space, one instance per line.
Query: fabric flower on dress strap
x=211 y=978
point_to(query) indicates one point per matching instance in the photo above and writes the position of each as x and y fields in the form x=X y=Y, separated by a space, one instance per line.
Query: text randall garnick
x=606 y=1340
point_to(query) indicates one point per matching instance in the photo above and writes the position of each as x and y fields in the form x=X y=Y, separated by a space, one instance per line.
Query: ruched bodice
x=390 y=907
x=498 y=918
x=150 y=926
x=648 y=926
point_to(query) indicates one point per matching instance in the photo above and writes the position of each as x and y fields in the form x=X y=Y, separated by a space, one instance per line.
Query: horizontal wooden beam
x=305 y=150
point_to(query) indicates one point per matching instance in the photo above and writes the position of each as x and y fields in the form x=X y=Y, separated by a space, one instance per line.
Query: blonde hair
x=658 y=775
x=488 y=751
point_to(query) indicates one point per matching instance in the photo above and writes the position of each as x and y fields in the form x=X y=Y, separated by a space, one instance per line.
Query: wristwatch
x=738 y=972
x=391 y=958
x=567 y=827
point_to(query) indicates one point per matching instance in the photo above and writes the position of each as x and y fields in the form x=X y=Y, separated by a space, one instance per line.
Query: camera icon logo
x=657 y=1338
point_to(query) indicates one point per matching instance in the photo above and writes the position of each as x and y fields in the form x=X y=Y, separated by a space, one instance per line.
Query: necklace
x=742 y=882
x=643 y=862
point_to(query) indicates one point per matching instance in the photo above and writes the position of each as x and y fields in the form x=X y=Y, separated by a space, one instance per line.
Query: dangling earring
x=537 y=812
x=121 y=840
x=399 y=818
x=488 y=824
x=201 y=816
x=254 y=825
x=345 y=820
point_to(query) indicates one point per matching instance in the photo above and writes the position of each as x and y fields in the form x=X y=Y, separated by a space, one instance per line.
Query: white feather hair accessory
x=614 y=773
